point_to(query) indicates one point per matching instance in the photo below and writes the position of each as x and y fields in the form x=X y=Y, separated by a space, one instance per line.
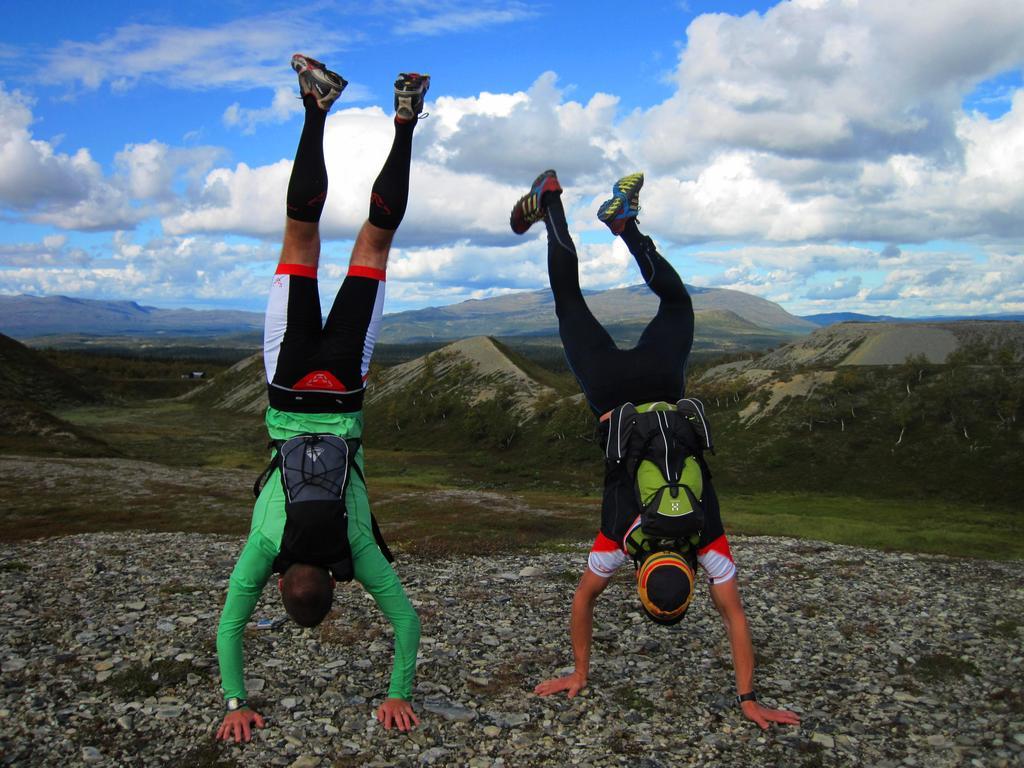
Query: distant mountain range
x=726 y=319
x=624 y=311
x=830 y=318
x=26 y=317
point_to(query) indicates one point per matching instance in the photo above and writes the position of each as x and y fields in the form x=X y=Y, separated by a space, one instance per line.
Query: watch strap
x=750 y=696
x=234 y=704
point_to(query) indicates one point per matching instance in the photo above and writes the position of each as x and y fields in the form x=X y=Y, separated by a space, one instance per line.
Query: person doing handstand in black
x=652 y=376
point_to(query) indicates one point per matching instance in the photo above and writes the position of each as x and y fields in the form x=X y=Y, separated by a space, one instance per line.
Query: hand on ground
x=397 y=712
x=239 y=725
x=572 y=684
x=763 y=715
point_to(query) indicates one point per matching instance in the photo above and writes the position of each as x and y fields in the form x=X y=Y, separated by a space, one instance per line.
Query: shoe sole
x=529 y=205
x=320 y=75
x=622 y=190
x=416 y=97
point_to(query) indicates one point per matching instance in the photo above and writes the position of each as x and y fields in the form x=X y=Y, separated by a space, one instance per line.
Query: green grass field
x=909 y=525
x=173 y=465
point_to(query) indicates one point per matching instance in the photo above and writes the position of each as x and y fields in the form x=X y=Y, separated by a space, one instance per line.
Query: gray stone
x=254 y=684
x=833 y=662
x=432 y=755
x=508 y=719
x=824 y=739
x=450 y=711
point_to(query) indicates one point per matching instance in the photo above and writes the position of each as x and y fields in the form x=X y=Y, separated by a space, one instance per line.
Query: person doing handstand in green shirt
x=316 y=377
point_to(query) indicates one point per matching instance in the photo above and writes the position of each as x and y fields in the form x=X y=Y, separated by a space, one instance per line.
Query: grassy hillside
x=28 y=375
x=877 y=431
x=951 y=432
x=917 y=455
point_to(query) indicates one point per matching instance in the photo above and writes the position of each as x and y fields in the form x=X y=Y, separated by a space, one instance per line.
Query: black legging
x=655 y=368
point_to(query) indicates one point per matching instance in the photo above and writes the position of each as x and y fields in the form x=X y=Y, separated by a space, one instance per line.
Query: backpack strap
x=384 y=548
x=377 y=535
x=693 y=410
x=658 y=436
x=620 y=426
x=275 y=462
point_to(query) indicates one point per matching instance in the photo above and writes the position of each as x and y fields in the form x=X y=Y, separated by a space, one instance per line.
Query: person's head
x=307 y=592
x=664 y=582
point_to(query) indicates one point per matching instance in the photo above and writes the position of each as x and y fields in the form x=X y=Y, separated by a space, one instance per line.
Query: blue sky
x=827 y=154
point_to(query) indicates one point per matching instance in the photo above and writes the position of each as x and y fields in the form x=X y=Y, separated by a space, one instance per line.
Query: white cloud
x=247 y=53
x=843 y=288
x=797 y=261
x=439 y=276
x=285 y=105
x=51 y=252
x=149 y=171
x=435 y=18
x=890 y=281
x=444 y=206
x=71 y=191
x=160 y=269
x=834 y=79
x=242 y=53
x=33 y=171
x=515 y=137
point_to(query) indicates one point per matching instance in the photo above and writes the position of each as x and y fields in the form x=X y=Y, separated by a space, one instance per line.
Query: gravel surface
x=107 y=658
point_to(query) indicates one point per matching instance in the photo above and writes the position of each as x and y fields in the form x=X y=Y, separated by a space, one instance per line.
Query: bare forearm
x=742 y=653
x=581 y=627
x=581 y=630
x=726 y=597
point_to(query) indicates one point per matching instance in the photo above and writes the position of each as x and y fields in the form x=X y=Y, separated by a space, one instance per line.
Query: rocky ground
x=107 y=658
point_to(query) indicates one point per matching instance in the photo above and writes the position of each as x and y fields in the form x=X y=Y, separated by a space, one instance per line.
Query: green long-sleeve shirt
x=372 y=570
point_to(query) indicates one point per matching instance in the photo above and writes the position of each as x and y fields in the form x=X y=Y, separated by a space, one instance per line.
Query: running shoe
x=318 y=80
x=529 y=209
x=410 y=90
x=624 y=203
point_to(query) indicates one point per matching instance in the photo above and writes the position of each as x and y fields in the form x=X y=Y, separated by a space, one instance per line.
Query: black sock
x=390 y=194
x=307 y=187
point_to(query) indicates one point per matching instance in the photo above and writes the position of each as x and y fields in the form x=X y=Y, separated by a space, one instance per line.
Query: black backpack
x=662 y=449
x=315 y=472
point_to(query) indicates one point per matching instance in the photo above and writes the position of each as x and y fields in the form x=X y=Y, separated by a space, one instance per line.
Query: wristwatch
x=751 y=696
x=234 y=704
